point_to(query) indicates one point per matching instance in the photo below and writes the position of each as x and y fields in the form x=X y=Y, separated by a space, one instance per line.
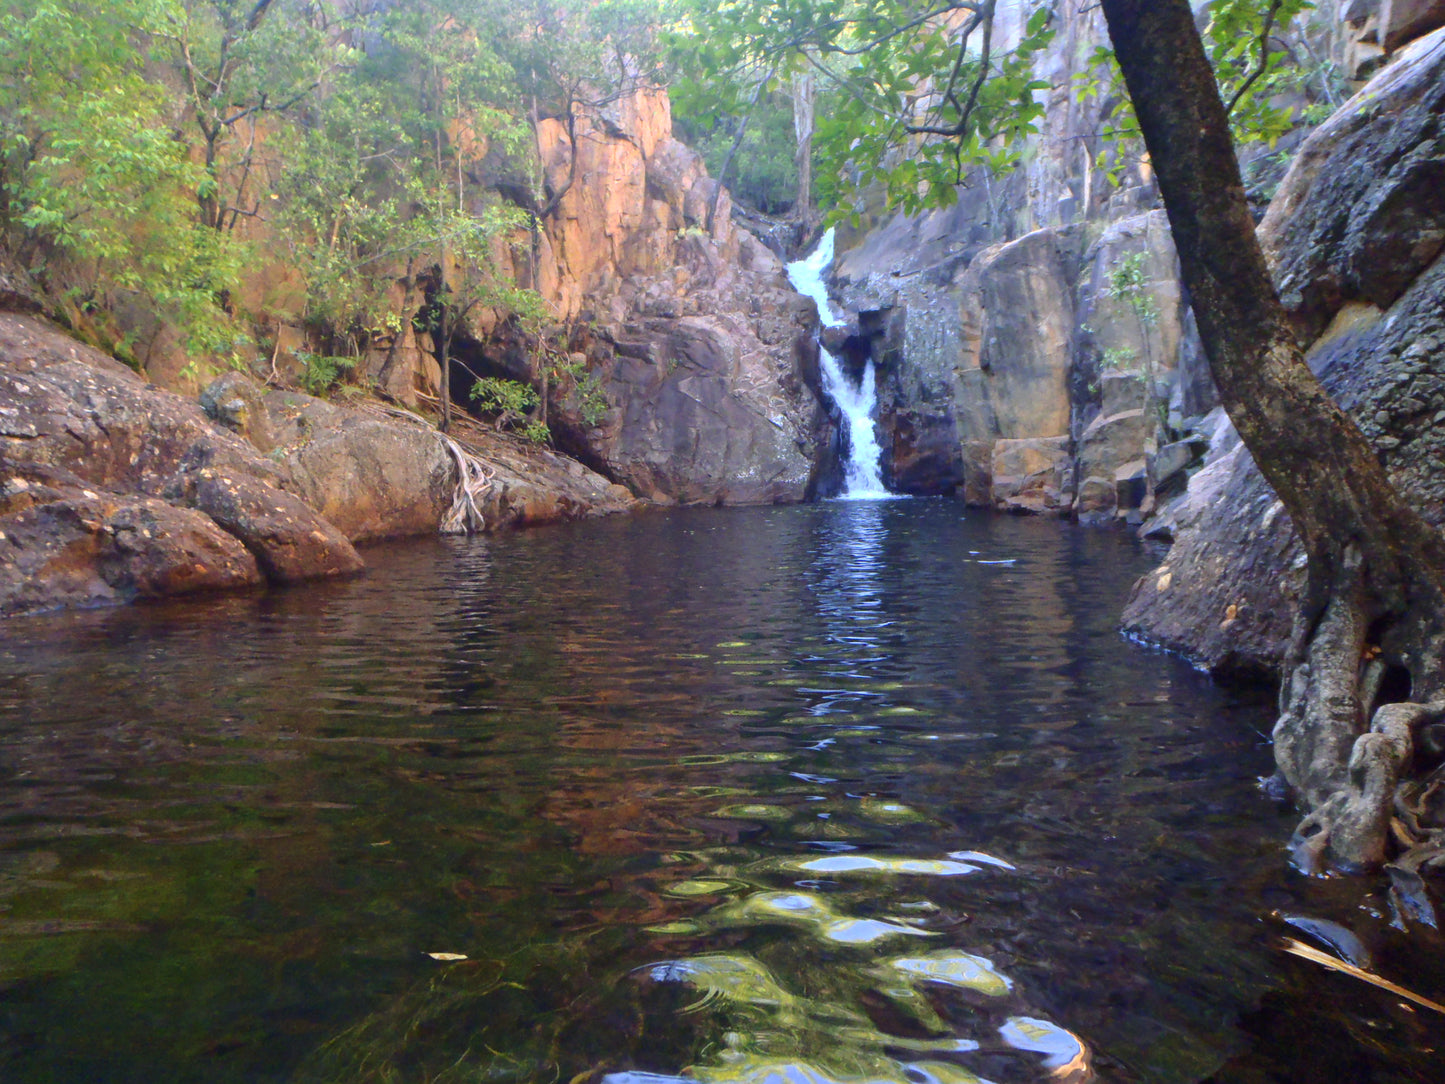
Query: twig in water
x=1324 y=959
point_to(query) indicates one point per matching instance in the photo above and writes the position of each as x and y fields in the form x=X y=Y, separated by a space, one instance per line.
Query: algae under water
x=849 y=792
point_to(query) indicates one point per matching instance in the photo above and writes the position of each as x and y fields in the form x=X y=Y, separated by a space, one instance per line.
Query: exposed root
x=1352 y=827
x=1320 y=710
x=1353 y=779
x=474 y=482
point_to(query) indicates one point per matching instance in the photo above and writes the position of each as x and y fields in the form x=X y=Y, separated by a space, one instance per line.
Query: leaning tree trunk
x=1375 y=591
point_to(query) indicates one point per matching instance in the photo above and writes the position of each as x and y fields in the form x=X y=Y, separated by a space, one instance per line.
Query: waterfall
x=858 y=403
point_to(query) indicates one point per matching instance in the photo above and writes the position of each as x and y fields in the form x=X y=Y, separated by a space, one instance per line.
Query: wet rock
x=1236 y=569
x=1359 y=222
x=290 y=541
x=137 y=489
x=1031 y=475
x=922 y=453
x=101 y=550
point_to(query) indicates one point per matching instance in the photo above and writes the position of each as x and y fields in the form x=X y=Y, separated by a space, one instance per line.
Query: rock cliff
x=693 y=336
x=685 y=342
x=1356 y=237
x=1034 y=348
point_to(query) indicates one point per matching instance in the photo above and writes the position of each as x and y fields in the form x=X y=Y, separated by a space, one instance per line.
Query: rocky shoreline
x=114 y=490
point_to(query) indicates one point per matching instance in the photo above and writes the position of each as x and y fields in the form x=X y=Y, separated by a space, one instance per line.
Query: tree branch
x=1263 y=57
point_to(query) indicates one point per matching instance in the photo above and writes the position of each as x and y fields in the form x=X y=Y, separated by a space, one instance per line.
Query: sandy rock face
x=695 y=389
x=372 y=476
x=1030 y=341
x=376 y=474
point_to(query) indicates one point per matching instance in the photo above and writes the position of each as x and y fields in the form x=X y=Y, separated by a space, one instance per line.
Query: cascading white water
x=862 y=472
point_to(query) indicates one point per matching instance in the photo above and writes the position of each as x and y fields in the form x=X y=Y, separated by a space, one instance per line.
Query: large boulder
x=1032 y=475
x=89 y=549
x=372 y=475
x=1361 y=213
x=116 y=489
x=1227 y=592
x=377 y=473
x=696 y=416
x=699 y=394
x=1016 y=323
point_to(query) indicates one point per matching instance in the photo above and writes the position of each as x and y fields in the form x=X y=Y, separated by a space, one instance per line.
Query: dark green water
x=794 y=795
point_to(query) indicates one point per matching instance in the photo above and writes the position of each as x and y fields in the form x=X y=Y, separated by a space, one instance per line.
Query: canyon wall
x=1018 y=369
x=1034 y=347
x=686 y=344
x=1356 y=237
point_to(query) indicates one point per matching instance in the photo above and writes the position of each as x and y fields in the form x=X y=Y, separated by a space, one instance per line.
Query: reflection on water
x=857 y=792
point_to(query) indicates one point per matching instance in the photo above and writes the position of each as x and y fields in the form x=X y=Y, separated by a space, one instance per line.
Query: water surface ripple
x=852 y=792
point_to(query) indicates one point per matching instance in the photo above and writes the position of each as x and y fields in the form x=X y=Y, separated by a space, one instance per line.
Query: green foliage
x=1128 y=282
x=536 y=432
x=320 y=372
x=900 y=75
x=91 y=173
x=497 y=396
x=1118 y=357
x=1267 y=70
x=510 y=401
x=155 y=153
x=586 y=392
x=764 y=174
x=376 y=168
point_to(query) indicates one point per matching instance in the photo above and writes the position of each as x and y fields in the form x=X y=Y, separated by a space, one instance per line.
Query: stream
x=856 y=791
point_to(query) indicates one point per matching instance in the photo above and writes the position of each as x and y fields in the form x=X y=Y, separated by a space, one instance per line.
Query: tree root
x=474 y=482
x=1353 y=784
x=1352 y=828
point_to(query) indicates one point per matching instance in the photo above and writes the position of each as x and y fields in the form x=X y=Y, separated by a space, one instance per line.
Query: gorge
x=731 y=767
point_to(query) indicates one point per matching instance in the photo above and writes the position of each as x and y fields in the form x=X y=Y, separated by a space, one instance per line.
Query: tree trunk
x=803 y=99
x=388 y=375
x=1375 y=591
